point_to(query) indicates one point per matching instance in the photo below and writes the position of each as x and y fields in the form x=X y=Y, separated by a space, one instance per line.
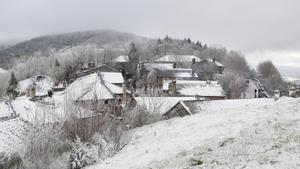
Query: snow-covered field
x=2 y=71
x=249 y=133
x=21 y=113
x=12 y=134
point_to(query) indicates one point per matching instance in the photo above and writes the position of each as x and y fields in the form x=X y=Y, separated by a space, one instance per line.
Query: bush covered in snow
x=139 y=116
x=4 y=78
x=12 y=161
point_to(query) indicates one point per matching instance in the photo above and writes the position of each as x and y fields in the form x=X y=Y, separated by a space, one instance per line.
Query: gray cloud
x=249 y=25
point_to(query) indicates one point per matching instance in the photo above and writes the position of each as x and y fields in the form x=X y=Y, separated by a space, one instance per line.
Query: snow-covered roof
x=216 y=62
x=121 y=58
x=160 y=105
x=42 y=84
x=178 y=58
x=201 y=90
x=112 y=77
x=151 y=66
x=196 y=82
x=115 y=89
x=175 y=73
x=89 y=88
x=92 y=87
x=196 y=88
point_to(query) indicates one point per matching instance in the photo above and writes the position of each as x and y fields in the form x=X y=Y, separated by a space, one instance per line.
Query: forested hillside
x=45 y=45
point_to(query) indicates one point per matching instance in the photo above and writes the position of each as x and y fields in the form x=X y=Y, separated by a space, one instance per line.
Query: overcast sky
x=261 y=29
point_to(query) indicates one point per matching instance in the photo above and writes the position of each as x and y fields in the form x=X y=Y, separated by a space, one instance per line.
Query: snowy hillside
x=249 y=133
x=2 y=71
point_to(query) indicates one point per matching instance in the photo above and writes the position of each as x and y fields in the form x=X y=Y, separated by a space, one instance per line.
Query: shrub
x=45 y=147
x=13 y=161
x=138 y=117
x=196 y=162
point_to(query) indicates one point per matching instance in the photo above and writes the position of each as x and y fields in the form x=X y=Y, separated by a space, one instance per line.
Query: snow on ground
x=5 y=111
x=44 y=111
x=12 y=133
x=22 y=113
x=249 y=133
x=2 y=71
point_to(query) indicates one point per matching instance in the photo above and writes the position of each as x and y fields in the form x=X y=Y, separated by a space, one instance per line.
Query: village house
x=179 y=61
x=35 y=86
x=165 y=71
x=94 y=87
x=121 y=63
x=206 y=69
x=183 y=108
x=157 y=105
x=174 y=74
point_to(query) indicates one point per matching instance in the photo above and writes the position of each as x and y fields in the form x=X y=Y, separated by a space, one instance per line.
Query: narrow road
x=255 y=84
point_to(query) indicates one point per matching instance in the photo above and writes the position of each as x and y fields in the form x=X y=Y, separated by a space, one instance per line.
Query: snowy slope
x=12 y=133
x=250 y=133
x=2 y=71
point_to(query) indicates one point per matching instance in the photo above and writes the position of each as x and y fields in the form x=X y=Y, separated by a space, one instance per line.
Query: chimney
x=214 y=60
x=173 y=89
x=193 y=60
x=138 y=70
x=124 y=99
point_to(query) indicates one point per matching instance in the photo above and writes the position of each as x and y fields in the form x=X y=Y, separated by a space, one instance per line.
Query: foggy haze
x=267 y=29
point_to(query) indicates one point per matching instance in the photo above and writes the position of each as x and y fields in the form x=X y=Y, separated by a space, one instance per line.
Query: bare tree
x=233 y=85
x=236 y=62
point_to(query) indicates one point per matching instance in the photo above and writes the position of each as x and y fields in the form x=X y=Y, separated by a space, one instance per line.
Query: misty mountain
x=45 y=44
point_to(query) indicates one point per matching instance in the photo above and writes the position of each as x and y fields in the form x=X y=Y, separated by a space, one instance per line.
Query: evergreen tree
x=189 y=40
x=57 y=64
x=200 y=45
x=167 y=38
x=12 y=86
x=133 y=54
x=205 y=46
x=133 y=59
x=158 y=41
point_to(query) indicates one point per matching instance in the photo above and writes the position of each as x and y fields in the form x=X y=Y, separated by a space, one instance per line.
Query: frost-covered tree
x=233 y=85
x=11 y=90
x=152 y=79
x=267 y=69
x=4 y=78
x=237 y=63
x=271 y=77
